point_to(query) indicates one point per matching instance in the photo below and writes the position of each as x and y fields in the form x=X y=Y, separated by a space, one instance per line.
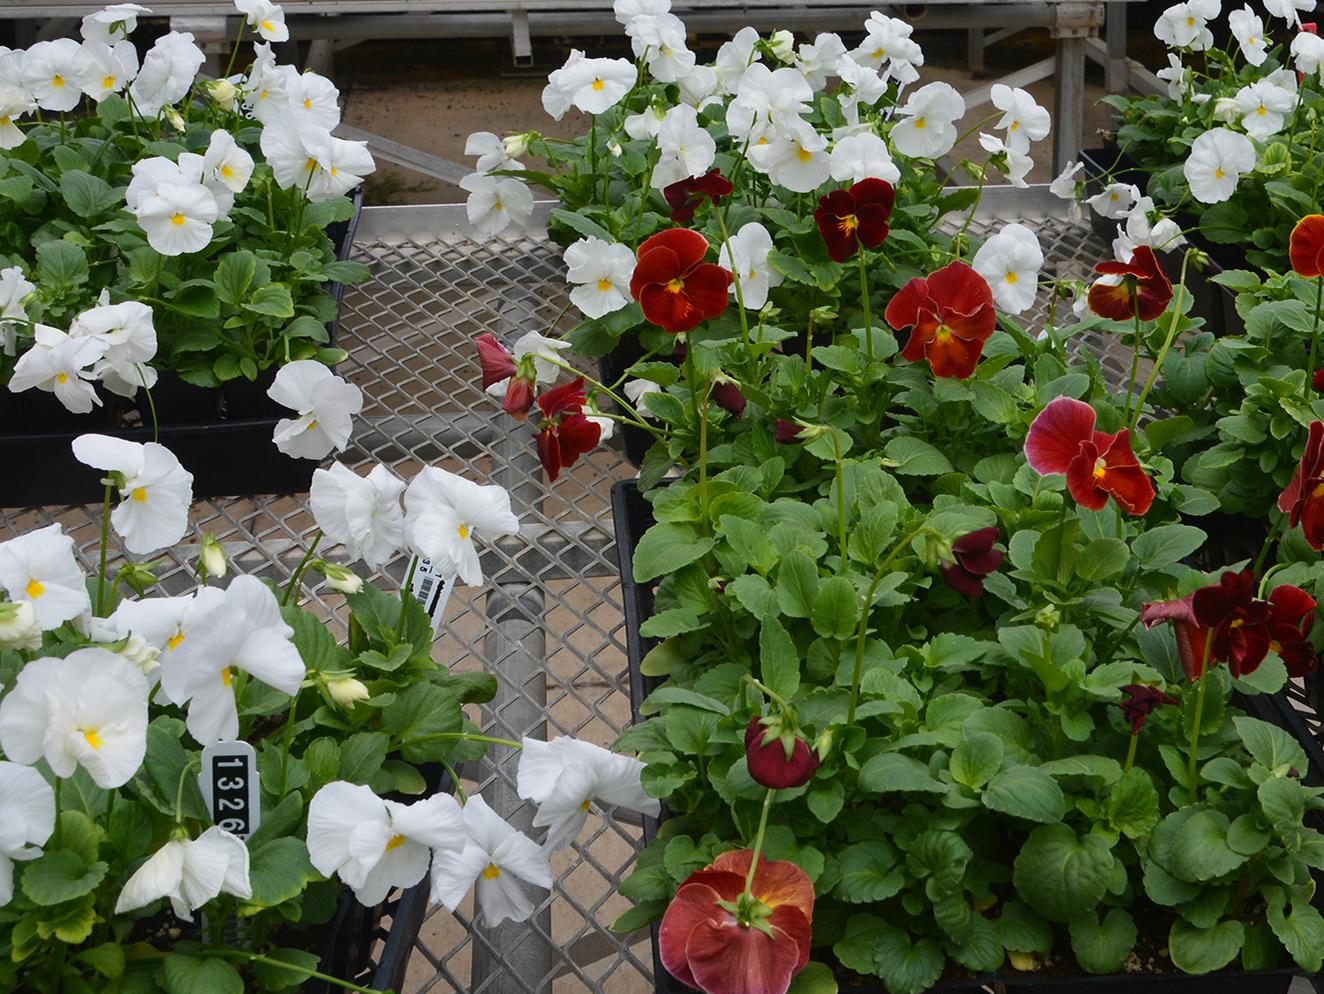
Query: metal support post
x=1116 y=73
x=974 y=44
x=1069 y=98
x=521 y=48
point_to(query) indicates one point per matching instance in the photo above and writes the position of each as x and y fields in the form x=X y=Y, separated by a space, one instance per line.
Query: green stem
x=105 y=542
x=1314 y=337
x=287 y=738
x=1268 y=542
x=735 y=277
x=234 y=52
x=1167 y=344
x=1192 y=771
x=455 y=781
x=841 y=499
x=240 y=954
x=864 y=303
x=1131 y=753
x=461 y=737
x=863 y=632
x=700 y=415
x=597 y=385
x=179 y=790
x=297 y=575
x=758 y=841
x=405 y=594
x=1135 y=364
x=959 y=240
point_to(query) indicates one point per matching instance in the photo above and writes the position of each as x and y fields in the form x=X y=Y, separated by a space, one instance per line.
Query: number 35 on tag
x=229 y=782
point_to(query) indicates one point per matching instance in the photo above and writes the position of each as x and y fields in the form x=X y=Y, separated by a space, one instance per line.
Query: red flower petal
x=776 y=882
x=768 y=764
x=1123 y=478
x=903 y=310
x=960 y=291
x=950 y=355
x=838 y=222
x=1056 y=435
x=1289 y=604
x=519 y=398
x=549 y=452
x=695 y=902
x=1307 y=245
x=708 y=288
x=576 y=435
x=729 y=958
x=1083 y=482
x=656 y=267
x=1225 y=600
x=689 y=246
x=497 y=363
x=568 y=397
x=961 y=580
x=1145 y=287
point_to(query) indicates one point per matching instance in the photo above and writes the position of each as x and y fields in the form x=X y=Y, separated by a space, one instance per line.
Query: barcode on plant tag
x=432 y=588
x=229 y=782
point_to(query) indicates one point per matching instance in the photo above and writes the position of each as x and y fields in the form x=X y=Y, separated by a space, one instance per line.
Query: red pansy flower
x=1139 y=701
x=787 y=432
x=715 y=938
x=1317 y=381
x=1224 y=620
x=685 y=196
x=951 y=316
x=728 y=397
x=1141 y=286
x=973 y=559
x=675 y=287
x=778 y=760
x=1303 y=500
x=1191 y=637
x=565 y=433
x=1306 y=247
x=850 y=218
x=498 y=365
x=1097 y=465
x=1291 y=616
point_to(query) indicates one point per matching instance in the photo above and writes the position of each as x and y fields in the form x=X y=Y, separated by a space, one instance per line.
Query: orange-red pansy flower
x=719 y=941
x=1097 y=465
x=1303 y=500
x=1127 y=288
x=1306 y=248
x=859 y=216
x=676 y=289
x=565 y=433
x=951 y=316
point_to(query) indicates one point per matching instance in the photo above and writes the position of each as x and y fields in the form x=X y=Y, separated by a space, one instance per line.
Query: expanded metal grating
x=547 y=623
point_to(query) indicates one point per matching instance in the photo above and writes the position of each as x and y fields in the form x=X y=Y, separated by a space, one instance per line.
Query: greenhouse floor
x=548 y=623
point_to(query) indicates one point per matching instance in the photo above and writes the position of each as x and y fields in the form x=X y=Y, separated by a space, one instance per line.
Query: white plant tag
x=229 y=782
x=433 y=590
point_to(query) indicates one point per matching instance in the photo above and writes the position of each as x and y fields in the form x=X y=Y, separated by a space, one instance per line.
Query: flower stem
x=1192 y=773
x=841 y=499
x=241 y=954
x=863 y=633
x=1135 y=364
x=864 y=303
x=297 y=575
x=735 y=276
x=1268 y=542
x=179 y=790
x=700 y=415
x=286 y=739
x=105 y=542
x=1167 y=344
x=1314 y=337
x=461 y=737
x=624 y=404
x=758 y=841
x=234 y=52
x=405 y=589
x=1131 y=753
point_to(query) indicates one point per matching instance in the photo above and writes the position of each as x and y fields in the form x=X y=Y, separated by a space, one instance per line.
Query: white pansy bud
x=223 y=92
x=1227 y=110
x=782 y=46
x=139 y=652
x=212 y=557
x=339 y=578
x=517 y=146
x=346 y=691
x=614 y=147
x=175 y=118
x=18 y=626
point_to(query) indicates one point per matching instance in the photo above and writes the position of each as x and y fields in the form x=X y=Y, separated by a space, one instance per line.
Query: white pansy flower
x=565 y=776
x=536 y=349
x=51 y=70
x=1162 y=235
x=497 y=860
x=1217 y=159
x=375 y=845
x=796 y=159
x=888 y=48
x=264 y=17
x=177 y=218
x=734 y=57
x=819 y=60
x=225 y=165
x=446 y=514
x=339 y=164
x=748 y=260
x=127 y=331
x=1018 y=163
x=311 y=98
x=781 y=45
x=699 y=87
x=15 y=102
x=113 y=23
x=265 y=84
x=362 y=514
x=1264 y=108
x=167 y=73
x=663 y=46
x=558 y=94
x=601 y=273
x=1248 y=29
x=863 y=88
x=1022 y=117
x=862 y=156
x=190 y=872
x=150 y=174
x=926 y=126
x=1116 y=200
x=496 y=202
x=88 y=709
x=106 y=69
x=1308 y=53
x=766 y=100
x=164 y=623
x=492 y=152
x=29 y=806
x=1176 y=76
x=686 y=148
x=58 y=364
x=1289 y=10
x=14 y=291
x=645 y=125
x=627 y=10
x=1183 y=25
x=636 y=390
x=597 y=85
x=1064 y=186
x=19 y=628
x=39 y=567
x=155 y=490
x=1010 y=262
x=326 y=405
x=243 y=633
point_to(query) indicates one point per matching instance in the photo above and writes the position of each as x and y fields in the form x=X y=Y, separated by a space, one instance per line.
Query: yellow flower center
x=920 y=122
x=394 y=842
x=61 y=378
x=676 y=285
x=1014 y=125
x=763 y=140
x=1261 y=110
x=599 y=85
x=311 y=425
x=942 y=333
x=307 y=103
x=311 y=164
x=57 y=81
x=108 y=82
x=496 y=205
x=333 y=170
x=463 y=531
x=1190 y=22
x=138 y=494
x=267 y=26
x=849 y=223
x=4 y=121
x=804 y=155
x=173 y=643
x=34 y=589
x=491 y=872
x=604 y=285
x=1219 y=174
x=177 y=219
x=227 y=677
x=1012 y=277
x=1100 y=470
x=91 y=737
x=227 y=171
x=584 y=805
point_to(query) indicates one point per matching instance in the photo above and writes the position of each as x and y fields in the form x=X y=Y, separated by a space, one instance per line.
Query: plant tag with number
x=433 y=589
x=229 y=782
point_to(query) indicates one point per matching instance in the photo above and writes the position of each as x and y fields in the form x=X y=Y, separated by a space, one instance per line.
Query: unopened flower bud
x=175 y=118
x=223 y=91
x=212 y=556
x=778 y=758
x=614 y=147
x=937 y=550
x=727 y=396
x=781 y=46
x=823 y=315
x=338 y=577
x=139 y=652
x=18 y=626
x=345 y=691
x=517 y=146
x=1227 y=110
x=1048 y=618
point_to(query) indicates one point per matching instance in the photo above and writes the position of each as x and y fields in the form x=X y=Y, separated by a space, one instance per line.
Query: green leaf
x=815 y=978
x=1204 y=950
x=674 y=621
x=200 y=975
x=271 y=299
x=1102 y=558
x=749 y=541
x=907 y=967
x=836 y=608
x=1191 y=844
x=665 y=548
x=893 y=771
x=1060 y=874
x=797 y=584
x=59 y=875
x=234 y=275
x=1166 y=544
x=87 y=195
x=779 y=661
x=1133 y=804
x=362 y=756
x=1301 y=931
x=278 y=872
x=61 y=266
x=581 y=225
x=911 y=456
x=296 y=966
x=1023 y=931
x=196 y=298
x=1272 y=747
x=1025 y=792
x=106 y=959
x=869 y=872
x=419 y=714
x=641 y=915
x=976 y=758
x=826 y=802
x=1100 y=947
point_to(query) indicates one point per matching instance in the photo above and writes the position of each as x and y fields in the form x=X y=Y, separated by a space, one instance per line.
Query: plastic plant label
x=229 y=782
x=432 y=587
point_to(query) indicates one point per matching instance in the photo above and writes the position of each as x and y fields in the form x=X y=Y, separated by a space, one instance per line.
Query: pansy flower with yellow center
x=496 y=860
x=446 y=515
x=190 y=872
x=155 y=490
x=39 y=567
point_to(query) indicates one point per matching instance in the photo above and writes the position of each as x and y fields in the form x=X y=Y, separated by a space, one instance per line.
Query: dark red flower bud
x=787 y=432
x=973 y=559
x=497 y=363
x=1317 y=381
x=728 y=397
x=768 y=763
x=685 y=196
x=1139 y=701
